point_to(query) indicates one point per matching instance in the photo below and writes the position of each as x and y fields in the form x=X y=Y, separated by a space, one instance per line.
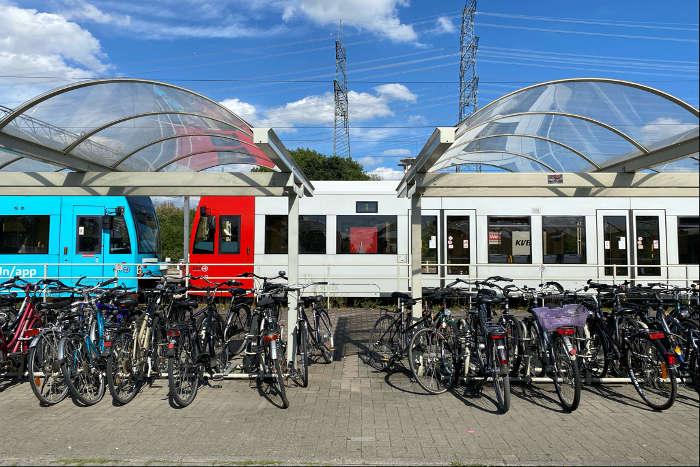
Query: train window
x=366 y=207
x=229 y=234
x=366 y=235
x=509 y=240
x=312 y=235
x=146 y=224
x=89 y=235
x=24 y=235
x=688 y=240
x=458 y=244
x=119 y=236
x=204 y=237
x=276 y=235
x=615 y=244
x=429 y=253
x=648 y=247
x=564 y=240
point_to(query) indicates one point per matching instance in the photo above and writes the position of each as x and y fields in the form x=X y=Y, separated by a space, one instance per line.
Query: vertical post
x=186 y=229
x=416 y=245
x=292 y=271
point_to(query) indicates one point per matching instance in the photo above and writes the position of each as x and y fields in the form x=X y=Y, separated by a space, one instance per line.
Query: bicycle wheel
x=381 y=345
x=532 y=352
x=271 y=380
x=301 y=359
x=501 y=379
x=237 y=326
x=513 y=339
x=431 y=361
x=184 y=374
x=652 y=377
x=324 y=336
x=85 y=380
x=124 y=378
x=44 y=370
x=217 y=348
x=566 y=376
x=596 y=353
x=694 y=369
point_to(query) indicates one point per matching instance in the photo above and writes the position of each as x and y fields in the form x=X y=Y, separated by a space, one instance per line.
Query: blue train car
x=68 y=237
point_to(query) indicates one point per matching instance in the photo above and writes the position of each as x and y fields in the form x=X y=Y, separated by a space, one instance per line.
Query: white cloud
x=369 y=161
x=243 y=109
x=445 y=25
x=663 y=128
x=387 y=173
x=378 y=16
x=397 y=152
x=34 y=44
x=396 y=91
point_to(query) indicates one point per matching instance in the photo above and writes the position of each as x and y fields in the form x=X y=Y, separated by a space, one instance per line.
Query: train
x=69 y=237
x=355 y=235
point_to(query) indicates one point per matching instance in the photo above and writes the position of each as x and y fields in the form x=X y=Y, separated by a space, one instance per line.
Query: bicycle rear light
x=270 y=337
x=31 y=332
x=173 y=333
x=108 y=344
x=656 y=335
x=497 y=336
x=671 y=359
x=566 y=331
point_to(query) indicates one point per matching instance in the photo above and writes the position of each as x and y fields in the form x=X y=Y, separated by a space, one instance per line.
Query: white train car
x=355 y=235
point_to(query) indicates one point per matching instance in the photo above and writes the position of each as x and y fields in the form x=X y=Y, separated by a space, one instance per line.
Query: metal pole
x=416 y=244
x=186 y=229
x=292 y=271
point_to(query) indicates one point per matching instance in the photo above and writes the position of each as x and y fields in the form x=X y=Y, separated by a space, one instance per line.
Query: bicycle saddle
x=308 y=301
x=488 y=298
x=237 y=291
x=126 y=302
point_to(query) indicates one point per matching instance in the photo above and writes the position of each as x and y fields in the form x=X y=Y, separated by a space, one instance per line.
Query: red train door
x=223 y=238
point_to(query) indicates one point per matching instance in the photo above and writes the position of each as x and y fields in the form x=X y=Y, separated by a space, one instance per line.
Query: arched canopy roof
x=571 y=125
x=130 y=125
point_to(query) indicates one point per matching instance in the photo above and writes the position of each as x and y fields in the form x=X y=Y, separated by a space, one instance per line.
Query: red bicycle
x=19 y=324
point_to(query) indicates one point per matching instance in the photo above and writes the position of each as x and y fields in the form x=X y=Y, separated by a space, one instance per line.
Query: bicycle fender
x=62 y=350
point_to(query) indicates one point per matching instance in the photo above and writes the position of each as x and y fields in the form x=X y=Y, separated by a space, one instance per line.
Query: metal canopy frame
x=637 y=173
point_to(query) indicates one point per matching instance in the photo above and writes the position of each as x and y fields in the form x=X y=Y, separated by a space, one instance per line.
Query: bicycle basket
x=572 y=315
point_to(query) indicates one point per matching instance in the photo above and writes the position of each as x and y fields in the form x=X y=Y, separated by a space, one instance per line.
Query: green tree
x=317 y=166
x=170 y=218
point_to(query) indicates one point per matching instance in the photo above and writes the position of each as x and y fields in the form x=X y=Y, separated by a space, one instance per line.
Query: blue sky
x=273 y=60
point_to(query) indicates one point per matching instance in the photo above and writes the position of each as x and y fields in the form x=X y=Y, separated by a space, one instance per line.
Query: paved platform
x=350 y=414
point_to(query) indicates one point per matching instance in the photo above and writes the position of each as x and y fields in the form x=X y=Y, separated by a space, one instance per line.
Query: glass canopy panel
x=130 y=135
x=595 y=141
x=163 y=155
x=545 y=155
x=81 y=109
x=644 y=115
x=688 y=164
x=210 y=162
x=30 y=165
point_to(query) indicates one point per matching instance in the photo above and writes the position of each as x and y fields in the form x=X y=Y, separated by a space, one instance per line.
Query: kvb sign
x=521 y=243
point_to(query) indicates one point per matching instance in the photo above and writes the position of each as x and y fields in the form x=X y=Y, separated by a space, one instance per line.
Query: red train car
x=223 y=238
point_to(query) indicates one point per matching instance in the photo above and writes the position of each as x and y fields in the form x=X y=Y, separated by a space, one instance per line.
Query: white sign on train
x=12 y=271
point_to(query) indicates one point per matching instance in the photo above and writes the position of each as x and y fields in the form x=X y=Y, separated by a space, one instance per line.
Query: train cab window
x=230 y=235
x=458 y=244
x=312 y=235
x=688 y=240
x=429 y=252
x=509 y=240
x=564 y=240
x=24 y=235
x=366 y=235
x=276 y=235
x=89 y=235
x=119 y=237
x=204 y=237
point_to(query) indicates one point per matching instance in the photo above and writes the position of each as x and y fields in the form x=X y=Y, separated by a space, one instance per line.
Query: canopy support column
x=292 y=271
x=416 y=245
x=186 y=229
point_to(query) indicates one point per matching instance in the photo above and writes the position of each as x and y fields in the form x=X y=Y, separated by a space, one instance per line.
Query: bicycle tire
x=182 y=363
x=565 y=370
x=379 y=349
x=512 y=327
x=237 y=327
x=123 y=379
x=598 y=359
x=86 y=382
x=43 y=360
x=325 y=336
x=431 y=361
x=271 y=379
x=533 y=351
x=646 y=363
x=501 y=381
x=303 y=354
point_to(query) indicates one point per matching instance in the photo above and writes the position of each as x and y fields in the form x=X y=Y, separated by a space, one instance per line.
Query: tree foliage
x=170 y=218
x=317 y=166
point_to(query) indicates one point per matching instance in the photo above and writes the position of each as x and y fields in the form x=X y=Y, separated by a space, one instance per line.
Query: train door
x=649 y=229
x=222 y=244
x=431 y=255
x=459 y=242
x=613 y=242
x=119 y=246
x=82 y=243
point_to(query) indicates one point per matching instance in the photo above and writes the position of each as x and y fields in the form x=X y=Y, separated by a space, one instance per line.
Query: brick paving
x=350 y=414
